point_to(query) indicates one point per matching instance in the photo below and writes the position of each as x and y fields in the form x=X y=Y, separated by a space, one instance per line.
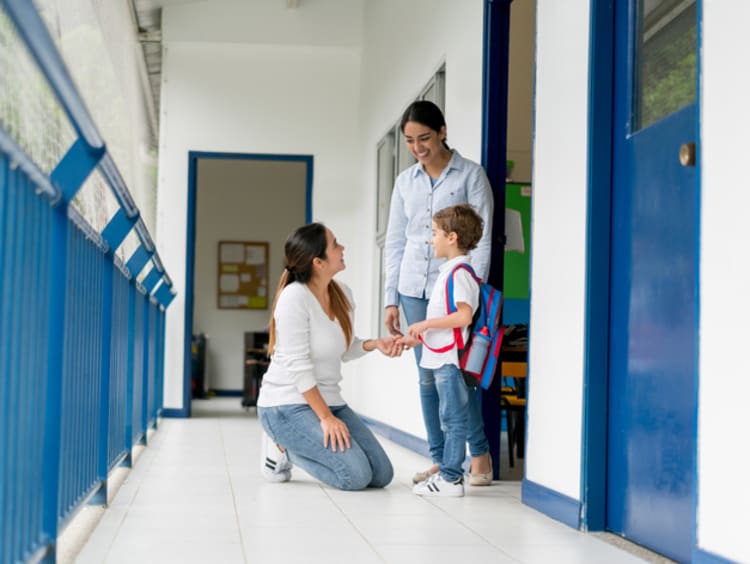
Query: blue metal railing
x=139 y=355
x=119 y=368
x=81 y=340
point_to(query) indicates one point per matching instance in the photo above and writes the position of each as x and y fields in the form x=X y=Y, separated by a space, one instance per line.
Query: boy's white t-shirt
x=465 y=289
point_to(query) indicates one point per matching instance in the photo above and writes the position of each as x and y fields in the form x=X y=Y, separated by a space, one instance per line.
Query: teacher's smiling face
x=424 y=143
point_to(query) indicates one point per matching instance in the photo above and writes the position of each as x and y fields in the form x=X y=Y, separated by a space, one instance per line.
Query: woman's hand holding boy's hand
x=389 y=346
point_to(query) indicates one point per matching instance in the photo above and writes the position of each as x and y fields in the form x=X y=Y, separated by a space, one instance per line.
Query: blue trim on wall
x=226 y=393
x=553 y=504
x=193 y=157
x=398 y=436
x=174 y=413
x=596 y=321
x=701 y=556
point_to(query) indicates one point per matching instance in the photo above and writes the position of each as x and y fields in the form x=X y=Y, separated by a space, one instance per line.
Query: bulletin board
x=242 y=275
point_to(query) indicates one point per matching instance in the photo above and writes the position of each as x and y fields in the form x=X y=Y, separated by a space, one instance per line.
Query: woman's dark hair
x=426 y=113
x=302 y=247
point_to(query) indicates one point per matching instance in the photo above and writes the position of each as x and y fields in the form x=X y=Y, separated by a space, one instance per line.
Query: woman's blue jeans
x=415 y=309
x=297 y=429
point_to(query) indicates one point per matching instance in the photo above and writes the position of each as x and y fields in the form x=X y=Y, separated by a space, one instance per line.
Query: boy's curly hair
x=464 y=222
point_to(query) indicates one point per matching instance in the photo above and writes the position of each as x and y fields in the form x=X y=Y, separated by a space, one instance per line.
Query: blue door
x=654 y=277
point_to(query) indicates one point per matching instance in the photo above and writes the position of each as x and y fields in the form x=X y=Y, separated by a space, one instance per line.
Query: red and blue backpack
x=478 y=356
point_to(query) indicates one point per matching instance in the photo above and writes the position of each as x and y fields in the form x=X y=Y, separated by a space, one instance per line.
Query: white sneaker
x=274 y=464
x=437 y=486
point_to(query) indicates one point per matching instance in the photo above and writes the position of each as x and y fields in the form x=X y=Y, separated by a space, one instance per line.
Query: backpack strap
x=450 y=307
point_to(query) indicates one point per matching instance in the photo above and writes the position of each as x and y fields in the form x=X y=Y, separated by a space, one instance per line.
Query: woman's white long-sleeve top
x=308 y=351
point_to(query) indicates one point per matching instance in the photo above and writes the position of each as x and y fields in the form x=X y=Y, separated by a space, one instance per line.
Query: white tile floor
x=196 y=496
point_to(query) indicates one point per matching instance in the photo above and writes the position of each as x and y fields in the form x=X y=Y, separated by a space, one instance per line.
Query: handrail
x=110 y=173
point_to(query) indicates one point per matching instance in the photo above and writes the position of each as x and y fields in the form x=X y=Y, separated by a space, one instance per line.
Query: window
x=392 y=158
x=386 y=177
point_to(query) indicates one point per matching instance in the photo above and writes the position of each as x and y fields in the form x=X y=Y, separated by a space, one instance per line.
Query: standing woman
x=441 y=177
x=300 y=404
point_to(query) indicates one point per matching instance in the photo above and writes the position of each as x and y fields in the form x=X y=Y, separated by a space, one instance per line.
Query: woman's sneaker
x=274 y=464
x=437 y=486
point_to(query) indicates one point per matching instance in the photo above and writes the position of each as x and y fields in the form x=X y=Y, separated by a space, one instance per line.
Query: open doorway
x=241 y=208
x=510 y=31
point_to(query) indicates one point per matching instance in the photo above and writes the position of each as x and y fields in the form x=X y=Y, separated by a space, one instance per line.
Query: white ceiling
x=335 y=23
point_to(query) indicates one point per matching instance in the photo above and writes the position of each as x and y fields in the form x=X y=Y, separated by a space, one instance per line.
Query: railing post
x=100 y=497
x=128 y=461
x=144 y=389
x=53 y=407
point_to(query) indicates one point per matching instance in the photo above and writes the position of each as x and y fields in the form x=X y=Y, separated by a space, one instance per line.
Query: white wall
x=240 y=200
x=553 y=456
x=398 y=58
x=253 y=99
x=724 y=387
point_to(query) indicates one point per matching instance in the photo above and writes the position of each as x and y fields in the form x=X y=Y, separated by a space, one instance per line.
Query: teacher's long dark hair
x=303 y=246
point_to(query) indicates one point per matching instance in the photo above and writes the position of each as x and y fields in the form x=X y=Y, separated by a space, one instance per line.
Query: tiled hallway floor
x=196 y=496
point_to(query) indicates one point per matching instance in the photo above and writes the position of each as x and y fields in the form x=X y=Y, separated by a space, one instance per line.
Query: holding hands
x=411 y=339
x=389 y=346
x=403 y=342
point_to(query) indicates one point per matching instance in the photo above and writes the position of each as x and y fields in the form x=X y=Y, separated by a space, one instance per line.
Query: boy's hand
x=417 y=329
x=406 y=341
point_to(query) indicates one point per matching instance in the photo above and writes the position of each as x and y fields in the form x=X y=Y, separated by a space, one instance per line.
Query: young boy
x=455 y=231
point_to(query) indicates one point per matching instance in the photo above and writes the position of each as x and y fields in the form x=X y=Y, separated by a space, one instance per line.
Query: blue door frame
x=598 y=228
x=193 y=158
x=496 y=54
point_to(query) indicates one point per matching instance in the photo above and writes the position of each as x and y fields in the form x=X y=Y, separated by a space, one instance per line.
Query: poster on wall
x=243 y=275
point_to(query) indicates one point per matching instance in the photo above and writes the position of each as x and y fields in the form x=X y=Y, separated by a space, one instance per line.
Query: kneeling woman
x=300 y=404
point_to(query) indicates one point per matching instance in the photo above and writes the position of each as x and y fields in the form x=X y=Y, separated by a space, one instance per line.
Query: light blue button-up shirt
x=410 y=267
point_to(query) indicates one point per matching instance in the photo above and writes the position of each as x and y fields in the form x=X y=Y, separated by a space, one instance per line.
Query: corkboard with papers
x=243 y=275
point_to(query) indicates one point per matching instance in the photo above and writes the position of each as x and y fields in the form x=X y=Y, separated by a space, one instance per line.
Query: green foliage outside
x=668 y=76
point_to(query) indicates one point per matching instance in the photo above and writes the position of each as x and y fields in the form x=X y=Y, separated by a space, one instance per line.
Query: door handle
x=687 y=154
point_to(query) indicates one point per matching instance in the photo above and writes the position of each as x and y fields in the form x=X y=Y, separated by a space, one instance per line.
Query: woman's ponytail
x=286 y=278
